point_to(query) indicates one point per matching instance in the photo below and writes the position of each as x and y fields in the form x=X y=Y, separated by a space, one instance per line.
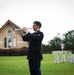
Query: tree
x=69 y=40
x=55 y=43
x=45 y=48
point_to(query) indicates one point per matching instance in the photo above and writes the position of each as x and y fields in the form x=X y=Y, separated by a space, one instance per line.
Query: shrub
x=13 y=52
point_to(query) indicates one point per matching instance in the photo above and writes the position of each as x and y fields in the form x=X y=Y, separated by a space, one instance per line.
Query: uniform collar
x=37 y=30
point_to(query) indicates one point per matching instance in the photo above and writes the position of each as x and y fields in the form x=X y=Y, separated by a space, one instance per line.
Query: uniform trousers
x=34 y=66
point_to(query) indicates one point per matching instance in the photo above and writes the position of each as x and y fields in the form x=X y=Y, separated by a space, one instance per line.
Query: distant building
x=9 y=39
x=60 y=52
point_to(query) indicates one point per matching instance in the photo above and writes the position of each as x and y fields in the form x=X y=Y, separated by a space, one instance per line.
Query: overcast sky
x=56 y=16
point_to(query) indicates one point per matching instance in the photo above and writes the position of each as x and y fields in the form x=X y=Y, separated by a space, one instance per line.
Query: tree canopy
x=55 y=44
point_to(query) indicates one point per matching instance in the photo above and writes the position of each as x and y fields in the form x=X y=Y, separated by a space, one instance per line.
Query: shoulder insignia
x=38 y=34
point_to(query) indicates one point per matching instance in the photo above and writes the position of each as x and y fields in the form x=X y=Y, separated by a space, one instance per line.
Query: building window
x=14 y=42
x=5 y=42
x=9 y=39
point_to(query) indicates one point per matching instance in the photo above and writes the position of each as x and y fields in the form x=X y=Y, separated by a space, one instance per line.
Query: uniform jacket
x=35 y=40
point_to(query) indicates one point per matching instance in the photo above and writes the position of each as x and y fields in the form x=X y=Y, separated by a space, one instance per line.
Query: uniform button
x=33 y=49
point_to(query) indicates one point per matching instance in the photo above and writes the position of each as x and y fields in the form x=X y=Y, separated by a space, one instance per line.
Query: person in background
x=34 y=51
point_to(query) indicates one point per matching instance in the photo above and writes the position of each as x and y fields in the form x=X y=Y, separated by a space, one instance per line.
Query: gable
x=10 y=23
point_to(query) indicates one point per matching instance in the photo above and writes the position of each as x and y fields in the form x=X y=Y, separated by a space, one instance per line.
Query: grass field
x=18 y=65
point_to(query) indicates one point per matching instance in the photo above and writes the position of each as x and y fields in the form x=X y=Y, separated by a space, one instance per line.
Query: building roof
x=11 y=23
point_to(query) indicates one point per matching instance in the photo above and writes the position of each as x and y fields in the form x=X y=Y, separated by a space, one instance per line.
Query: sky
x=56 y=16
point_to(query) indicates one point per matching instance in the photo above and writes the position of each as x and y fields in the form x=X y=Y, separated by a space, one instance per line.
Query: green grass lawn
x=18 y=65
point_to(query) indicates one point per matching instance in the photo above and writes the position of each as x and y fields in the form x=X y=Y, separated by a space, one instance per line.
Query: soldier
x=34 y=51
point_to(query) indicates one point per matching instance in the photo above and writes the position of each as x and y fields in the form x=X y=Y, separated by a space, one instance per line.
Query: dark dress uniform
x=34 y=51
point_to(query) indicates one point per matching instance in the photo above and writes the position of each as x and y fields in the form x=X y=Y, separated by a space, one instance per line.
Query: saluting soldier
x=34 y=51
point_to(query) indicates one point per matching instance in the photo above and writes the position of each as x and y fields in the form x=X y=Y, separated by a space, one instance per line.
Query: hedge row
x=13 y=52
